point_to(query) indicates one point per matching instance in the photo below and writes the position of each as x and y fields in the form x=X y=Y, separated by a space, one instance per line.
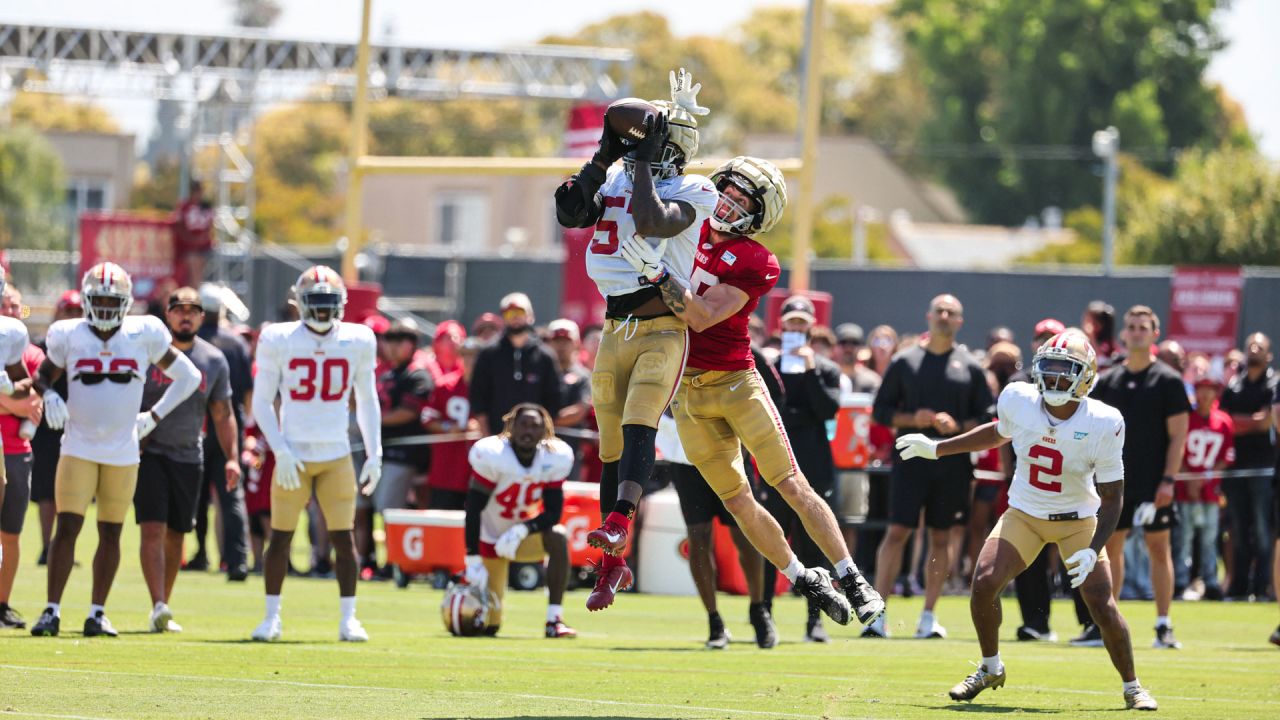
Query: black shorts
x=167 y=492
x=939 y=487
x=440 y=499
x=17 y=493
x=44 y=466
x=1166 y=517
x=699 y=504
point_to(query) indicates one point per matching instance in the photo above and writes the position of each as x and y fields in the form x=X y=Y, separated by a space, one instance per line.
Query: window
x=88 y=194
x=463 y=220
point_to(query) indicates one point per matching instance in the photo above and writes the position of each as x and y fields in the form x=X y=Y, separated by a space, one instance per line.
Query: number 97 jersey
x=317 y=373
x=517 y=490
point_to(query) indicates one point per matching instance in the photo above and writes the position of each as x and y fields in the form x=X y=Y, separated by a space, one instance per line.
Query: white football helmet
x=108 y=294
x=682 y=144
x=466 y=609
x=759 y=180
x=321 y=297
x=1068 y=357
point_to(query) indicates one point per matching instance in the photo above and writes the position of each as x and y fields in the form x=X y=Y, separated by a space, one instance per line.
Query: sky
x=1246 y=68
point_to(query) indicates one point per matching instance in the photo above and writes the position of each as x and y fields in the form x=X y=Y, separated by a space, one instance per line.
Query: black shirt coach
x=1246 y=397
x=1146 y=399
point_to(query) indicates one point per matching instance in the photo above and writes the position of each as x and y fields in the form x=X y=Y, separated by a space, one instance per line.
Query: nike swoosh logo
x=736 y=385
x=770 y=277
x=616 y=583
x=612 y=538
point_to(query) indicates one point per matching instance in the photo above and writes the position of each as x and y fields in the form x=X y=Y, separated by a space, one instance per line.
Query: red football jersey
x=746 y=265
x=450 y=469
x=14 y=444
x=1209 y=441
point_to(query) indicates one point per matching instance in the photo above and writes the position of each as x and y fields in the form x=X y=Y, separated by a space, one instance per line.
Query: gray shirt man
x=179 y=436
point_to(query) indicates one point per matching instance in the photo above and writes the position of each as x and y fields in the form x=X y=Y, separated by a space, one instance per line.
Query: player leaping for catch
x=1065 y=443
x=722 y=400
x=644 y=347
x=314 y=364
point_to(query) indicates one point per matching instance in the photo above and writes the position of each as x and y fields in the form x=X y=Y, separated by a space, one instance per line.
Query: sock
x=844 y=567
x=348 y=607
x=159 y=604
x=926 y=615
x=792 y=569
x=56 y=609
x=608 y=561
x=992 y=664
x=714 y=619
x=554 y=612
x=623 y=512
x=1134 y=685
x=273 y=606
x=1162 y=621
x=95 y=609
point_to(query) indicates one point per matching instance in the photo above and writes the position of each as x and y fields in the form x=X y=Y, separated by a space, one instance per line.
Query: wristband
x=1168 y=479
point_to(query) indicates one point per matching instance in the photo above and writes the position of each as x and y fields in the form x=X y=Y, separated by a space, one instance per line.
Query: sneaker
x=929 y=629
x=814 y=632
x=609 y=582
x=557 y=629
x=1091 y=637
x=877 y=628
x=269 y=630
x=172 y=627
x=367 y=573
x=1275 y=637
x=1212 y=592
x=1139 y=699
x=99 y=625
x=980 y=680
x=198 y=563
x=239 y=573
x=47 y=625
x=321 y=568
x=160 y=618
x=609 y=537
x=43 y=559
x=10 y=618
x=350 y=630
x=1030 y=634
x=718 y=638
x=867 y=603
x=766 y=632
x=815 y=584
x=1165 y=638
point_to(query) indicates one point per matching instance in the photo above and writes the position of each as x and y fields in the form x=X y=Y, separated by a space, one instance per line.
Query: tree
x=255 y=13
x=298 y=150
x=1009 y=76
x=32 y=189
x=46 y=112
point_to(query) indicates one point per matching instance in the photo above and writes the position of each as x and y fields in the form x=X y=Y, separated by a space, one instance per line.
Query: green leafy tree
x=32 y=188
x=49 y=112
x=298 y=150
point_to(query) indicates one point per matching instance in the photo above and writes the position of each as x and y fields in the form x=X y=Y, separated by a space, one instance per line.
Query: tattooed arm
x=718 y=303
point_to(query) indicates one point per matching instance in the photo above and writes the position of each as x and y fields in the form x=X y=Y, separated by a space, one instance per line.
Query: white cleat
x=161 y=619
x=929 y=629
x=878 y=628
x=173 y=627
x=352 y=631
x=269 y=630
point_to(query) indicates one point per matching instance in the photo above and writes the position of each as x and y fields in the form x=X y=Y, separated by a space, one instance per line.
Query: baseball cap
x=850 y=333
x=563 y=328
x=516 y=300
x=185 y=296
x=1048 y=326
x=447 y=327
x=486 y=319
x=69 y=299
x=799 y=307
x=377 y=323
x=403 y=329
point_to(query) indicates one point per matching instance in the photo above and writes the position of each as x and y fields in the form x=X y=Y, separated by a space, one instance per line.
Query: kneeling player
x=1065 y=443
x=518 y=473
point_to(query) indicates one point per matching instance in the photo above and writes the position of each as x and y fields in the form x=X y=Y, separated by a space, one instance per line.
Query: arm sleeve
x=552 y=509
x=186 y=379
x=822 y=386
x=1109 y=465
x=159 y=340
x=266 y=384
x=474 y=506
x=889 y=396
x=368 y=412
x=578 y=200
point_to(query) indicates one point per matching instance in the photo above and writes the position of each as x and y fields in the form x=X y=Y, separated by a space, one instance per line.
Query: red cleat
x=610 y=580
x=610 y=537
x=557 y=629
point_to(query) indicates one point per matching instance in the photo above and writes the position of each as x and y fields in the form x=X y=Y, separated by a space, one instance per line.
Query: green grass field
x=641 y=658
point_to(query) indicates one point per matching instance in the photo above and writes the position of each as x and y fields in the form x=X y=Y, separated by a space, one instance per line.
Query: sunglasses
x=96 y=378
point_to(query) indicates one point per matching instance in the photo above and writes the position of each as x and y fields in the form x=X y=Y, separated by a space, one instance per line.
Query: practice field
x=641 y=658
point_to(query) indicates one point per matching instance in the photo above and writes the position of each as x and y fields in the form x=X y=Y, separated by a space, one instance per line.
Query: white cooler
x=664 y=567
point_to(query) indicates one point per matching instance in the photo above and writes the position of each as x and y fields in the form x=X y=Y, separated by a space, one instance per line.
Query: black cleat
x=99 y=625
x=198 y=563
x=815 y=584
x=718 y=638
x=866 y=602
x=762 y=622
x=1165 y=638
x=1091 y=637
x=813 y=630
x=10 y=618
x=47 y=625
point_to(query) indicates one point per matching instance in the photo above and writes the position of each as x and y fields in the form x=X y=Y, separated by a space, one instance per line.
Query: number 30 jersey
x=1058 y=464
x=104 y=384
x=317 y=373
x=517 y=490
x=605 y=264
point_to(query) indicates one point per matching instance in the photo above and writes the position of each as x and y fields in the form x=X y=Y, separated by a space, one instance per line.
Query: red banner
x=580 y=301
x=143 y=246
x=1204 y=308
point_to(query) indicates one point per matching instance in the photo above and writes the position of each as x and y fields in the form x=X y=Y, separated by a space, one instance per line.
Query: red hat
x=377 y=323
x=1048 y=326
x=486 y=319
x=449 y=326
x=69 y=299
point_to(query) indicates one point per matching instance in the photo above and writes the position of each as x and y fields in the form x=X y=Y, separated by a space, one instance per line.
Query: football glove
x=685 y=94
x=655 y=138
x=612 y=147
x=645 y=258
x=509 y=543
x=370 y=476
x=6 y=384
x=476 y=575
x=1144 y=514
x=1080 y=565
x=916 y=445
x=287 y=468
x=146 y=422
x=55 y=410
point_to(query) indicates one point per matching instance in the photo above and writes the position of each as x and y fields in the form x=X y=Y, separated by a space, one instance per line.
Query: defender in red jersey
x=722 y=401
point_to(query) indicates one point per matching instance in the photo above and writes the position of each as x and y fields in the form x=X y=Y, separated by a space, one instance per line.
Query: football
x=627 y=116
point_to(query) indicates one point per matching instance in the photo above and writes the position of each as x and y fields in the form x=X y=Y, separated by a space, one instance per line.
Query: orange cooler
x=420 y=542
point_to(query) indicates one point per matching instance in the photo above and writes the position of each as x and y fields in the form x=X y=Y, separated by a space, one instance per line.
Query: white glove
x=55 y=410
x=146 y=423
x=6 y=384
x=1080 y=565
x=370 y=476
x=287 y=468
x=916 y=445
x=476 y=575
x=685 y=94
x=645 y=258
x=509 y=543
x=1144 y=514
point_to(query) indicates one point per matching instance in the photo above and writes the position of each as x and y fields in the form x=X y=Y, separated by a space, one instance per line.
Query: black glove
x=612 y=148
x=655 y=138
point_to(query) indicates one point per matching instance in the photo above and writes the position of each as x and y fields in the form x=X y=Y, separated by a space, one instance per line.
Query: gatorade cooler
x=664 y=561
x=581 y=516
x=851 y=446
x=421 y=542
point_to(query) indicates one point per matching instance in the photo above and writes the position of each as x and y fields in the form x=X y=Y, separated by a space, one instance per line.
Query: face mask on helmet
x=467 y=610
x=732 y=215
x=105 y=311
x=1058 y=378
x=320 y=308
x=670 y=165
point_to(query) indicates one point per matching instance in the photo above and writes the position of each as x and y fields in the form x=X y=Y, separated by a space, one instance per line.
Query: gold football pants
x=637 y=370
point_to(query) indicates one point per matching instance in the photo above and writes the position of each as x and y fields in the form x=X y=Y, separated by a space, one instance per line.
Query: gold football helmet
x=108 y=294
x=682 y=143
x=320 y=296
x=759 y=180
x=1065 y=368
x=466 y=609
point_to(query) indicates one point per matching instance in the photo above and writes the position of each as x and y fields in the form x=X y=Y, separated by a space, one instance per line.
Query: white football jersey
x=104 y=384
x=317 y=373
x=517 y=490
x=1059 y=461
x=612 y=273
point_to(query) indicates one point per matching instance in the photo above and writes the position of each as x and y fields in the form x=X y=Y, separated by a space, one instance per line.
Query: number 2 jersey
x=1059 y=463
x=517 y=490
x=317 y=374
x=105 y=380
x=605 y=264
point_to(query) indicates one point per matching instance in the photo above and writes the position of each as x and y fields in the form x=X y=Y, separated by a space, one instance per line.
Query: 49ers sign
x=1204 y=308
x=143 y=246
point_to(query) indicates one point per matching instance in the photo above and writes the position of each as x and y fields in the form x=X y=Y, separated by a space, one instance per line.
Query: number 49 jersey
x=1058 y=464
x=317 y=373
x=517 y=490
